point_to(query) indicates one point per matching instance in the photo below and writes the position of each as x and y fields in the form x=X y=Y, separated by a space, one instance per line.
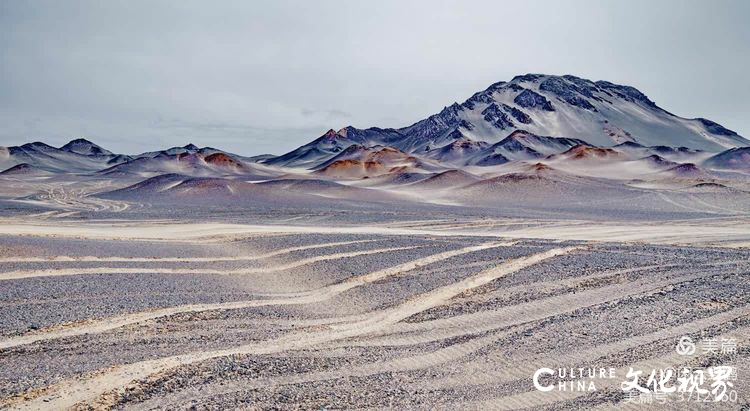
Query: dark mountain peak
x=84 y=147
x=80 y=141
x=627 y=93
x=576 y=79
x=527 y=78
x=577 y=91
x=190 y=147
x=38 y=145
x=497 y=85
x=480 y=97
x=601 y=113
x=344 y=131
x=331 y=133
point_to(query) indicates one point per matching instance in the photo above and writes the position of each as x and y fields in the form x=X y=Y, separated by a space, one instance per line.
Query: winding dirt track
x=260 y=256
x=500 y=370
x=85 y=390
x=19 y=274
x=307 y=297
x=389 y=326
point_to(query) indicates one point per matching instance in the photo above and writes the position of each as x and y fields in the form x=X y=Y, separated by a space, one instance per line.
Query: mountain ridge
x=600 y=112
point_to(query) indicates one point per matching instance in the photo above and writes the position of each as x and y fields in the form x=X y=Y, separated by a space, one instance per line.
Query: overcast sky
x=266 y=76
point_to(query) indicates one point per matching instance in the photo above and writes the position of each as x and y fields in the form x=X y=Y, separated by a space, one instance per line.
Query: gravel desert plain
x=438 y=266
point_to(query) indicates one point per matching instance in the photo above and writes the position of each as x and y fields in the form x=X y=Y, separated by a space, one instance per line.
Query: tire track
x=539 y=398
x=523 y=367
x=402 y=333
x=61 y=259
x=519 y=369
x=92 y=388
x=431 y=335
x=458 y=325
x=15 y=275
x=307 y=297
x=675 y=203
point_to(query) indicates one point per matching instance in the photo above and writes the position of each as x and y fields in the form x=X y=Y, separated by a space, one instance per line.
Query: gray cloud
x=266 y=76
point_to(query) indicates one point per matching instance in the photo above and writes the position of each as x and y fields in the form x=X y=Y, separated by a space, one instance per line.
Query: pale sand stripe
x=65 y=258
x=432 y=330
x=88 y=390
x=307 y=297
x=497 y=368
x=15 y=275
x=485 y=320
x=508 y=370
x=539 y=398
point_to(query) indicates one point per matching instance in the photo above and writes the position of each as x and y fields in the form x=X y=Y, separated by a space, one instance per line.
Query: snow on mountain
x=600 y=113
x=496 y=149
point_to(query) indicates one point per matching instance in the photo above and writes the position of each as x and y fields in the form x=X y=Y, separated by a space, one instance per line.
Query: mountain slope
x=600 y=113
x=522 y=145
x=77 y=156
x=85 y=147
x=204 y=162
x=732 y=159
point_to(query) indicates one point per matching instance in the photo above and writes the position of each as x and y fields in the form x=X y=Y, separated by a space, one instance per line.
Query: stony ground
x=310 y=320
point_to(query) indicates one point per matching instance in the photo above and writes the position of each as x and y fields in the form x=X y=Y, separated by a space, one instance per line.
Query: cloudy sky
x=256 y=77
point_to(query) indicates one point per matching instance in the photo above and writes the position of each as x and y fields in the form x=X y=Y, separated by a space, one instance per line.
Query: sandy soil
x=410 y=314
